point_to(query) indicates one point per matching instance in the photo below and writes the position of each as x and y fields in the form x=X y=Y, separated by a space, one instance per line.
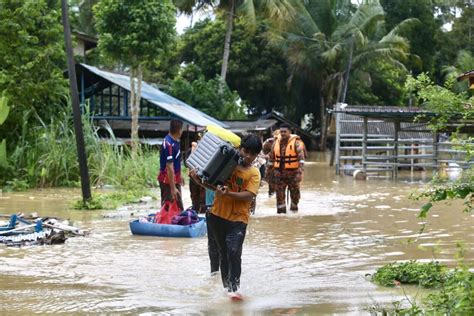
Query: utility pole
x=348 y=70
x=81 y=150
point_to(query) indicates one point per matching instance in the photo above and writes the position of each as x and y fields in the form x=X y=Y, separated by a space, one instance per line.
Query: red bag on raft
x=168 y=210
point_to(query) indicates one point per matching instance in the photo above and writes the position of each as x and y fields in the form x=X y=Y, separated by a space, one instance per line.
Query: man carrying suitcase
x=170 y=165
x=287 y=156
x=229 y=215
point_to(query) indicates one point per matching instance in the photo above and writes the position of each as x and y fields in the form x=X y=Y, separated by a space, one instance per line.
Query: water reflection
x=314 y=261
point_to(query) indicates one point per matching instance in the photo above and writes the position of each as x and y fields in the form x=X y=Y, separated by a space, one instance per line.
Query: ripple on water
x=305 y=263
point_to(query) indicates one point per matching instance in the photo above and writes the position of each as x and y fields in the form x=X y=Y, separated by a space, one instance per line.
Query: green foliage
x=17 y=185
x=461 y=189
x=108 y=201
x=320 y=41
x=4 y=110
x=46 y=156
x=459 y=38
x=456 y=297
x=378 y=83
x=464 y=61
x=453 y=290
x=446 y=104
x=428 y=275
x=421 y=36
x=32 y=61
x=134 y=32
x=204 y=95
x=395 y=308
x=256 y=70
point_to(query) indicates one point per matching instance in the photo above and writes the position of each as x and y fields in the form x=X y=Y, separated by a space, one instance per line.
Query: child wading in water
x=229 y=215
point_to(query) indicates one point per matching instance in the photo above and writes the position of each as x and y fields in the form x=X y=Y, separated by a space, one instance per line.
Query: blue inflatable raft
x=198 y=229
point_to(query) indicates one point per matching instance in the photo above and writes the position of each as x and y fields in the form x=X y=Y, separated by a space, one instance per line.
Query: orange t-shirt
x=242 y=179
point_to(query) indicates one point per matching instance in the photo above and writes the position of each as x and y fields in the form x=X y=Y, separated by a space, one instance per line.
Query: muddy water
x=313 y=262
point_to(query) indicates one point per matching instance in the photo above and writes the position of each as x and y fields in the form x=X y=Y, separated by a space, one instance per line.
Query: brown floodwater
x=312 y=262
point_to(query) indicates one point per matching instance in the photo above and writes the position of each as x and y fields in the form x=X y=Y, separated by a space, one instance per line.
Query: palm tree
x=325 y=39
x=229 y=8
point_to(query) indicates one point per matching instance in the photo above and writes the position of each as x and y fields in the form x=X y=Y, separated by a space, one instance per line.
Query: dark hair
x=252 y=143
x=175 y=126
x=286 y=125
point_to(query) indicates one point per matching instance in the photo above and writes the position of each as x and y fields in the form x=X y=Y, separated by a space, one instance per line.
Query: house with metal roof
x=107 y=96
x=383 y=139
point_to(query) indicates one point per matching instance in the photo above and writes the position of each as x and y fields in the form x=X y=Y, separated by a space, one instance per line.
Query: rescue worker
x=266 y=149
x=288 y=157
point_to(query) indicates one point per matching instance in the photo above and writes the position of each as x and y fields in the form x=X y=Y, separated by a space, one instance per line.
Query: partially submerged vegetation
x=112 y=200
x=427 y=275
x=453 y=290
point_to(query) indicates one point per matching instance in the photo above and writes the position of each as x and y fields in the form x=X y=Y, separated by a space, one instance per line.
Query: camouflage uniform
x=266 y=149
x=283 y=178
x=198 y=196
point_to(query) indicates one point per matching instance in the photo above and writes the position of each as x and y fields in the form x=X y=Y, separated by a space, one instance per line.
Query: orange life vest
x=290 y=159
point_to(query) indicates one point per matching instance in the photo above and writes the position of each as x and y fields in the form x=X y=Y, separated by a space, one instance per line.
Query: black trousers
x=212 y=248
x=229 y=237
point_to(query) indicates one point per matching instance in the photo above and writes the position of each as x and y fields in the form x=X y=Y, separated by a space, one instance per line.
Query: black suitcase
x=214 y=159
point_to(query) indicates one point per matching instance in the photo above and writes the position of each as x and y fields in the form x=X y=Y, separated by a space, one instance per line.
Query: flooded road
x=313 y=262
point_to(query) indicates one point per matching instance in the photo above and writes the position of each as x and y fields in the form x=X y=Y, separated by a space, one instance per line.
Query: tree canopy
x=32 y=61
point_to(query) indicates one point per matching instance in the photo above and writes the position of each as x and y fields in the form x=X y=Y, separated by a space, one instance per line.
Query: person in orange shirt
x=230 y=214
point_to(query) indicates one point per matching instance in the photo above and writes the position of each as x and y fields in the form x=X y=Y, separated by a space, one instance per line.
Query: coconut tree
x=324 y=40
x=229 y=9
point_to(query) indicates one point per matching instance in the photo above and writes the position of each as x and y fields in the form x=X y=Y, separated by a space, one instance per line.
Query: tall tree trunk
x=228 y=34
x=135 y=94
x=324 y=132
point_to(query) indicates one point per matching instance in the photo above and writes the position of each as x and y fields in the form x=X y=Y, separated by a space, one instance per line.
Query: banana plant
x=4 y=111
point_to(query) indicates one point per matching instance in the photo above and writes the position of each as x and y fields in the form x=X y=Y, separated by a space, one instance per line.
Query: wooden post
x=338 y=138
x=364 y=144
x=395 y=147
x=81 y=150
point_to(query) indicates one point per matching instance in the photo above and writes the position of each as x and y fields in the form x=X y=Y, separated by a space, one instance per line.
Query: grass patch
x=427 y=275
x=453 y=290
x=112 y=200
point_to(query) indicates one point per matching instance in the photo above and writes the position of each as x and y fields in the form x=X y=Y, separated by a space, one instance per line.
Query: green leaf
x=4 y=109
x=424 y=210
x=3 y=153
x=464 y=192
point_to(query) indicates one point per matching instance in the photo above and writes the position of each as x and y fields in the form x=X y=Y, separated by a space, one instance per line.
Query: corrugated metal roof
x=250 y=126
x=353 y=125
x=406 y=114
x=155 y=126
x=160 y=99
